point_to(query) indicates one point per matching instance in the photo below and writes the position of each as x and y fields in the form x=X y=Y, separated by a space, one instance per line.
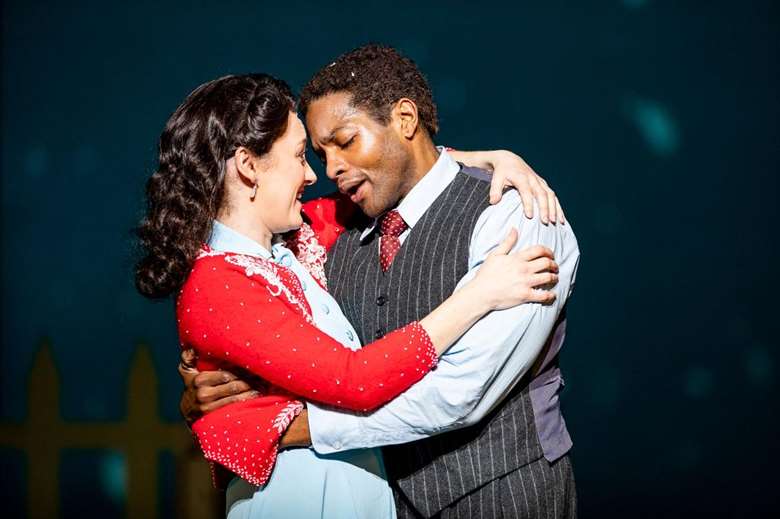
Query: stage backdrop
x=655 y=122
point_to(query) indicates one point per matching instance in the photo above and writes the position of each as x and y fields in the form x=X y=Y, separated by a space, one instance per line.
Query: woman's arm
x=510 y=170
x=329 y=216
x=244 y=437
x=230 y=317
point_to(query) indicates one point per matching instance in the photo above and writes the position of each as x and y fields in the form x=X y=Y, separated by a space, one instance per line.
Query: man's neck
x=424 y=156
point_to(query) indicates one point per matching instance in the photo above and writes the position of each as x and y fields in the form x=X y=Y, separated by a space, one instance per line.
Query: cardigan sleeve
x=227 y=316
x=329 y=216
x=243 y=437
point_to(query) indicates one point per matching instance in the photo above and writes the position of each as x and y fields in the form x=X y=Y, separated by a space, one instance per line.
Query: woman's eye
x=348 y=143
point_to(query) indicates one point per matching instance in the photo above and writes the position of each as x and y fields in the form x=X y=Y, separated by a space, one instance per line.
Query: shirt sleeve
x=482 y=367
x=229 y=317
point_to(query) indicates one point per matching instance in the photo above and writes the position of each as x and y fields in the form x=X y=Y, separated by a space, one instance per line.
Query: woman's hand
x=505 y=280
x=510 y=170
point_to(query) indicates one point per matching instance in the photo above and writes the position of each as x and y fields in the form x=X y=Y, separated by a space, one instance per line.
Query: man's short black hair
x=377 y=77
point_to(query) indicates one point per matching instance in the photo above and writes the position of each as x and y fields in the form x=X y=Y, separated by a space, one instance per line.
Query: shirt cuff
x=333 y=431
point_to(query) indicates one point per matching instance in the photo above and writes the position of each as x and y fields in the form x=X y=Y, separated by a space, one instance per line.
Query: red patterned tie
x=391 y=226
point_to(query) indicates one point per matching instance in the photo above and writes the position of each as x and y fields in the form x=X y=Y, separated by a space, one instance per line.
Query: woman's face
x=283 y=178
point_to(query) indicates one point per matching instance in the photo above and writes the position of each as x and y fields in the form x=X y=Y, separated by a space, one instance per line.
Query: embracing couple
x=421 y=309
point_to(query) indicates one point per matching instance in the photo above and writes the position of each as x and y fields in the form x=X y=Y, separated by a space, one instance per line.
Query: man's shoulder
x=510 y=204
x=469 y=191
x=478 y=174
x=510 y=212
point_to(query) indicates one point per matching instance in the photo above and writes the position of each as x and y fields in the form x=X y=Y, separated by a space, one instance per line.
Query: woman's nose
x=311 y=176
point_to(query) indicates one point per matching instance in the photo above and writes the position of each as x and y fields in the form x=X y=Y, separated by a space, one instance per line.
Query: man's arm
x=209 y=390
x=297 y=434
x=478 y=370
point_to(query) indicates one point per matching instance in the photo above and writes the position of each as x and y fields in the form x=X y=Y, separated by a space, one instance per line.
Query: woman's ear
x=405 y=117
x=246 y=165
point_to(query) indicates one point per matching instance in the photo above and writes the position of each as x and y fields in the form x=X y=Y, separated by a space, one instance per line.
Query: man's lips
x=350 y=186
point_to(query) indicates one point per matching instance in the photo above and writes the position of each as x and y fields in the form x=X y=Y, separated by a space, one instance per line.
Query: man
x=482 y=435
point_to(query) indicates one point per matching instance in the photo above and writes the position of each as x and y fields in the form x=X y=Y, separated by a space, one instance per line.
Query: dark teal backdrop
x=656 y=123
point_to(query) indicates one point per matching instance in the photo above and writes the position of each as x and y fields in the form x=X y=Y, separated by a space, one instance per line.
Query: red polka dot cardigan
x=249 y=315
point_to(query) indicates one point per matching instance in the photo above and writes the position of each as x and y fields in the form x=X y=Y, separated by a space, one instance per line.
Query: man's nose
x=334 y=166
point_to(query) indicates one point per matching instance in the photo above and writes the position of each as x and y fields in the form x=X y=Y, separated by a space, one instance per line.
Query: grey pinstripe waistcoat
x=434 y=472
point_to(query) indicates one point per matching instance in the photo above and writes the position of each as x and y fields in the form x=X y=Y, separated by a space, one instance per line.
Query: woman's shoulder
x=212 y=267
x=218 y=275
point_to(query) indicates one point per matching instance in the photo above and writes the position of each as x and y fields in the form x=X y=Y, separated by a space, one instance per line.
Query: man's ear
x=405 y=117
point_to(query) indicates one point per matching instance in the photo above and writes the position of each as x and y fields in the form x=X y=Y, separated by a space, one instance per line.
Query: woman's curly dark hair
x=186 y=192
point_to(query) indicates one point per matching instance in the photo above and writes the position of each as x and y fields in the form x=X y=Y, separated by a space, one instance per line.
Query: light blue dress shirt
x=483 y=366
x=305 y=484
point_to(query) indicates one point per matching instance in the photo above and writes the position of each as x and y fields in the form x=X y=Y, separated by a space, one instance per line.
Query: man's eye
x=348 y=143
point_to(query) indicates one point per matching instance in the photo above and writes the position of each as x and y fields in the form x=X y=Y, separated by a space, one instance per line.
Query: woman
x=232 y=169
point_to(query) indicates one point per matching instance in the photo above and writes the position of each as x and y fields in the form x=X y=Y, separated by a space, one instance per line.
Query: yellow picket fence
x=140 y=437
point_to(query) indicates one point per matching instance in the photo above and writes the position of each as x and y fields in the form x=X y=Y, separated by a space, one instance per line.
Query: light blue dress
x=349 y=484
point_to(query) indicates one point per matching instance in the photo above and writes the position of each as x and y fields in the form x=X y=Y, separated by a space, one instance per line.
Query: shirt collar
x=425 y=192
x=225 y=239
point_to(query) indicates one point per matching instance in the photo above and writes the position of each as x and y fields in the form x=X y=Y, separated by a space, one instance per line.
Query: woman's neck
x=248 y=225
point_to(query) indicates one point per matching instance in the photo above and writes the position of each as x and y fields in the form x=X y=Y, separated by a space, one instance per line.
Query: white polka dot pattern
x=240 y=311
x=391 y=226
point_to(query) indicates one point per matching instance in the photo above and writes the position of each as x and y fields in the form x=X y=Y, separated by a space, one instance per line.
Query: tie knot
x=391 y=224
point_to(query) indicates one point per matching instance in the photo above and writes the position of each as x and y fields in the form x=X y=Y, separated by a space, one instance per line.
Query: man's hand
x=510 y=170
x=297 y=434
x=208 y=390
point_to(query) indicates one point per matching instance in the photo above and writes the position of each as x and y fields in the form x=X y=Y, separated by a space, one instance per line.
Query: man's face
x=367 y=159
